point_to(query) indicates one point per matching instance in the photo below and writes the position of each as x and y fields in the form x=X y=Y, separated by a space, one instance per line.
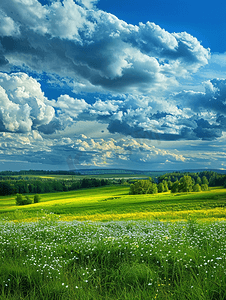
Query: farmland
x=103 y=243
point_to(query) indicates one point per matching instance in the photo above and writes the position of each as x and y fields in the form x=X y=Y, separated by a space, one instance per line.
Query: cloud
x=121 y=89
x=105 y=108
x=25 y=13
x=70 y=106
x=180 y=47
x=82 y=151
x=186 y=115
x=88 y=3
x=50 y=128
x=7 y=26
x=207 y=109
x=66 y=20
x=23 y=105
x=213 y=99
x=95 y=48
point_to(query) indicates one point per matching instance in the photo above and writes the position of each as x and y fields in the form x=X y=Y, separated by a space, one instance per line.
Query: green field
x=79 y=177
x=104 y=244
x=115 y=203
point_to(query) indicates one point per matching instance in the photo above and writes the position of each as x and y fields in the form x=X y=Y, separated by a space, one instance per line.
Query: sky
x=112 y=84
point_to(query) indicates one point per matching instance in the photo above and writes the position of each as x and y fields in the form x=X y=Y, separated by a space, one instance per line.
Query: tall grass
x=113 y=260
x=42 y=258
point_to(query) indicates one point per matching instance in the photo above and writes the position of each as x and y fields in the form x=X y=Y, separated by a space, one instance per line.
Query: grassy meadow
x=115 y=203
x=103 y=243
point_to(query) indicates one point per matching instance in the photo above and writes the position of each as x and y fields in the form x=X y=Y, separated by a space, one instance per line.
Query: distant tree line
x=213 y=178
x=37 y=172
x=179 y=183
x=188 y=184
x=9 y=187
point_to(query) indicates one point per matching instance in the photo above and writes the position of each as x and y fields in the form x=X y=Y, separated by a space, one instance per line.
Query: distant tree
x=47 y=187
x=153 y=189
x=96 y=182
x=212 y=181
x=57 y=186
x=196 y=188
x=160 y=187
x=139 y=187
x=85 y=183
x=143 y=187
x=204 y=187
x=186 y=184
x=122 y=181
x=198 y=180
x=21 y=187
x=103 y=182
x=205 y=180
x=31 y=188
x=39 y=187
x=170 y=184
x=6 y=188
x=205 y=177
x=165 y=186
x=175 y=187
x=132 y=189
x=75 y=185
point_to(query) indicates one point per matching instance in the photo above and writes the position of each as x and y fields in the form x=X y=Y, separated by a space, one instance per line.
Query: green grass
x=131 y=255
x=113 y=260
x=79 y=177
x=115 y=203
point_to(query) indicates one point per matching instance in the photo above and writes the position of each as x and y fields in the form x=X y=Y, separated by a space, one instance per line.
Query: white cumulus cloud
x=23 y=104
x=96 y=49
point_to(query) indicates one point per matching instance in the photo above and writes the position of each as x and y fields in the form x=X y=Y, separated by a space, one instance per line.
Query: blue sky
x=203 y=19
x=112 y=84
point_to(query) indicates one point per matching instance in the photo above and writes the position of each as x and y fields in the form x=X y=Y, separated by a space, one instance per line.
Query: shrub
x=27 y=200
x=37 y=198
x=21 y=201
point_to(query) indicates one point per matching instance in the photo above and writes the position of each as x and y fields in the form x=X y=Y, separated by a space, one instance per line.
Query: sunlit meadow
x=113 y=260
x=103 y=244
x=114 y=203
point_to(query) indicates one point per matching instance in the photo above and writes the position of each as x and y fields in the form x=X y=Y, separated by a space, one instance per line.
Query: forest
x=34 y=186
x=175 y=182
x=179 y=183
